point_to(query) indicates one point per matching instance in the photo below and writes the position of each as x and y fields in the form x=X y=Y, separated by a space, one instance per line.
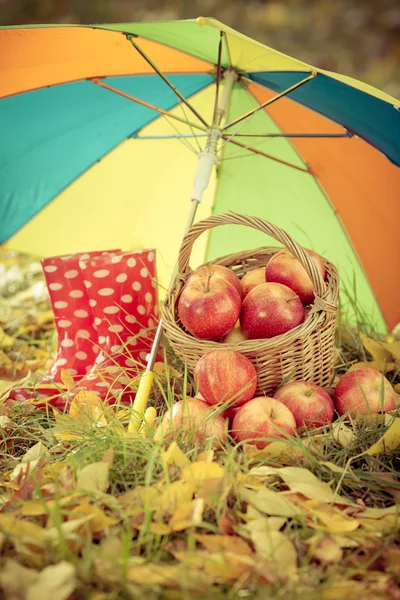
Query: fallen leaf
x=188 y=514
x=173 y=496
x=393 y=348
x=25 y=536
x=218 y=543
x=389 y=441
x=219 y=566
x=165 y=370
x=302 y=481
x=35 y=452
x=343 y=435
x=197 y=472
x=334 y=521
x=88 y=408
x=269 y=502
x=277 y=548
x=55 y=581
x=99 y=520
x=174 y=456
x=94 y=477
x=324 y=549
x=263 y=525
x=155 y=574
x=206 y=456
x=67 y=380
x=16 y=579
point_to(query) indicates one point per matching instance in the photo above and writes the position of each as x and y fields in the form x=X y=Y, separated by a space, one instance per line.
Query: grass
x=120 y=532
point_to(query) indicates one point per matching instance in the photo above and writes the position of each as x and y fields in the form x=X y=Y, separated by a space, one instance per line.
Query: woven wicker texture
x=303 y=353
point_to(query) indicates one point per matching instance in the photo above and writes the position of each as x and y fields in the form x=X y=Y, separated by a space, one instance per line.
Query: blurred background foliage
x=360 y=38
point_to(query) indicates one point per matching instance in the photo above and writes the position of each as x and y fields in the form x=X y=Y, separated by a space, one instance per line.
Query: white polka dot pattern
x=81 y=355
x=71 y=274
x=55 y=286
x=136 y=286
x=82 y=314
x=76 y=294
x=126 y=298
x=67 y=343
x=111 y=310
x=106 y=292
x=50 y=268
x=121 y=278
x=131 y=262
x=60 y=304
x=144 y=272
x=64 y=323
x=101 y=273
x=141 y=309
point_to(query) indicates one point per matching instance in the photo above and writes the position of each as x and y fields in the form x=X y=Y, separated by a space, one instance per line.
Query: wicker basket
x=303 y=353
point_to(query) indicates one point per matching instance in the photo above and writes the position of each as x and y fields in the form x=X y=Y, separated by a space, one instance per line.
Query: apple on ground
x=235 y=335
x=225 y=377
x=209 y=307
x=363 y=392
x=252 y=279
x=197 y=419
x=270 y=309
x=217 y=271
x=262 y=417
x=310 y=404
x=285 y=268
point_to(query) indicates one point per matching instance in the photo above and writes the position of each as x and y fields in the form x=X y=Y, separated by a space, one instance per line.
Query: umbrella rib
x=270 y=101
x=160 y=111
x=218 y=79
x=166 y=80
x=227 y=49
x=347 y=134
x=261 y=153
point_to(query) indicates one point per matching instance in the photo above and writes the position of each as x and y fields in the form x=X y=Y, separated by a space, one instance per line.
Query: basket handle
x=231 y=218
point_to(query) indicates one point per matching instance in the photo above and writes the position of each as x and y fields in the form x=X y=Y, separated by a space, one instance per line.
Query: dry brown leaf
x=55 y=581
x=219 y=543
x=269 y=502
x=277 y=548
x=94 y=477
x=174 y=456
x=189 y=514
x=324 y=549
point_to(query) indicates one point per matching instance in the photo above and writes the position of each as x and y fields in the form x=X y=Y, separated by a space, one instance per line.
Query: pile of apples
x=226 y=382
x=269 y=301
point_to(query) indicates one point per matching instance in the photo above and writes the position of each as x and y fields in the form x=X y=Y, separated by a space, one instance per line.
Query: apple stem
x=209 y=274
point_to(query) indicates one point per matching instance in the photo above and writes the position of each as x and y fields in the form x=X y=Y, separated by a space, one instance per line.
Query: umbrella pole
x=206 y=162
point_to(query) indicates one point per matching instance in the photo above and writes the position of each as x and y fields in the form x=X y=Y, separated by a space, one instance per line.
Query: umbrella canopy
x=101 y=127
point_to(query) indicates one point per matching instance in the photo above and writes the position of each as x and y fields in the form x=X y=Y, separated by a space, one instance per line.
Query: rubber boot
x=77 y=347
x=123 y=297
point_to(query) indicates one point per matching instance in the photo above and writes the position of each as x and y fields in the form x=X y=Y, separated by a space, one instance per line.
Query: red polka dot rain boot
x=123 y=296
x=77 y=336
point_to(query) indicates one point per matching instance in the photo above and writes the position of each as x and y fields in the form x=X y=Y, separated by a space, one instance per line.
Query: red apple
x=225 y=377
x=196 y=417
x=209 y=307
x=234 y=336
x=262 y=417
x=216 y=270
x=285 y=268
x=270 y=309
x=252 y=279
x=309 y=403
x=364 y=392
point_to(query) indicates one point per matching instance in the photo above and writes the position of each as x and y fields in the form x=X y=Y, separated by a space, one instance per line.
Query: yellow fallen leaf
x=389 y=441
x=173 y=496
x=263 y=525
x=380 y=513
x=55 y=581
x=278 y=549
x=16 y=579
x=387 y=524
x=87 y=407
x=35 y=452
x=188 y=514
x=94 y=477
x=377 y=349
x=206 y=456
x=218 y=543
x=386 y=367
x=397 y=388
x=332 y=467
x=24 y=535
x=300 y=481
x=174 y=456
x=99 y=520
x=334 y=522
x=162 y=370
x=198 y=471
x=220 y=566
x=343 y=435
x=324 y=548
x=67 y=380
x=147 y=498
x=269 y=502
x=155 y=574
x=273 y=449
x=393 y=348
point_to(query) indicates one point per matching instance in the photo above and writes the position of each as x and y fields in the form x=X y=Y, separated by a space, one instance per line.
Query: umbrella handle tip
x=201 y=21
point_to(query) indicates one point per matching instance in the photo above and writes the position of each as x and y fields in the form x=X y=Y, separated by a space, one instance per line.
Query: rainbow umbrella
x=104 y=126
